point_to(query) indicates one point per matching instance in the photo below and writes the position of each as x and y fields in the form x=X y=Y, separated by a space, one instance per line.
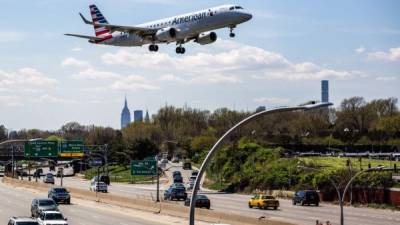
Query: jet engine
x=206 y=38
x=167 y=34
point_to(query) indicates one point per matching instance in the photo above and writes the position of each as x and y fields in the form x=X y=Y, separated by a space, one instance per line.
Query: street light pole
x=216 y=146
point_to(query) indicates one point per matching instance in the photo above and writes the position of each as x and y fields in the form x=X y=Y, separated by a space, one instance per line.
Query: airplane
x=196 y=26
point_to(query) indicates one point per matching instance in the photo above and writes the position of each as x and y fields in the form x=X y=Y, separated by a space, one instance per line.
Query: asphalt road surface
x=16 y=202
x=237 y=204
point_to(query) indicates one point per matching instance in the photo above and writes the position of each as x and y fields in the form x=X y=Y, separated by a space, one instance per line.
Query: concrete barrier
x=167 y=208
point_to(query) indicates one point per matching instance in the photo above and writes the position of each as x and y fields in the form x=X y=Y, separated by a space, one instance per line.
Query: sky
x=278 y=58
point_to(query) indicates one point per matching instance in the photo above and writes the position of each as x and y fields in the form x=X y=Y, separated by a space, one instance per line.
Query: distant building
x=324 y=91
x=138 y=115
x=147 y=117
x=125 y=115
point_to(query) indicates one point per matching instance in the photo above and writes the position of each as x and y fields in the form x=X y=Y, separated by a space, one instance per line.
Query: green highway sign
x=144 y=167
x=71 y=148
x=41 y=148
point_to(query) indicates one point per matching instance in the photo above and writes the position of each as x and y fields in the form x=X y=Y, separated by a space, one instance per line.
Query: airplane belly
x=128 y=40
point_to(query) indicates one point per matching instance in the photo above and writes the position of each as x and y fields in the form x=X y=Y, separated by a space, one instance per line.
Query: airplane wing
x=127 y=29
x=86 y=37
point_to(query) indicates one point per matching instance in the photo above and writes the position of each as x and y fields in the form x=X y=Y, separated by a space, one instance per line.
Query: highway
x=16 y=202
x=237 y=203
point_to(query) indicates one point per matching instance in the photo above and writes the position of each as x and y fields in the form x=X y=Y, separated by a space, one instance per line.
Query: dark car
x=187 y=166
x=176 y=173
x=174 y=192
x=42 y=204
x=201 y=201
x=306 y=197
x=59 y=194
x=178 y=179
x=103 y=178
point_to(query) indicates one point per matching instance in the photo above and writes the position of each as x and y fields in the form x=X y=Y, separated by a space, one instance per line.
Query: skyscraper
x=147 y=117
x=125 y=115
x=138 y=115
x=324 y=91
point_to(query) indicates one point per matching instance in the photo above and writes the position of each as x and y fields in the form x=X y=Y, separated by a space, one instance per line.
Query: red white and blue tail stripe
x=98 y=19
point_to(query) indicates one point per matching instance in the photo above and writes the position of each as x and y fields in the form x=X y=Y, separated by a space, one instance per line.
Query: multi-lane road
x=237 y=204
x=16 y=202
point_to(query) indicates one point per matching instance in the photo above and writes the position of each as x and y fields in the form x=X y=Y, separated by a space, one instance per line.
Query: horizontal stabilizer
x=86 y=37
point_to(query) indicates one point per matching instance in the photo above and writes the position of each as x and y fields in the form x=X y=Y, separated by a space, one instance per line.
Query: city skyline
x=47 y=79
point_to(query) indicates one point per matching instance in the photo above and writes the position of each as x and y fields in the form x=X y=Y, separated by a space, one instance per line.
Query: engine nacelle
x=167 y=34
x=206 y=38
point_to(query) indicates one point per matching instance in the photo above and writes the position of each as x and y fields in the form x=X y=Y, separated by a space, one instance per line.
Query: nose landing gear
x=231 y=34
x=180 y=50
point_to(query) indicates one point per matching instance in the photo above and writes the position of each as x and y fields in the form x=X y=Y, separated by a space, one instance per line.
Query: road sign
x=71 y=148
x=144 y=167
x=41 y=148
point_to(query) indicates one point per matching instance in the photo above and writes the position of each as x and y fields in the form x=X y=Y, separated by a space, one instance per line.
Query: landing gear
x=180 y=50
x=153 y=48
x=231 y=34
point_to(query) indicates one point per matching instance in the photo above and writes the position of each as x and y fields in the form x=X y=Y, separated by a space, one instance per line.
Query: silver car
x=49 y=178
x=42 y=204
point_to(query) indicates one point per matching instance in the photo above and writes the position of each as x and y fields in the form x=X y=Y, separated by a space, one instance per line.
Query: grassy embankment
x=118 y=174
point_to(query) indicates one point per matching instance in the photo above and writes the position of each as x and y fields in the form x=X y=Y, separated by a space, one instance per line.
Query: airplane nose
x=248 y=16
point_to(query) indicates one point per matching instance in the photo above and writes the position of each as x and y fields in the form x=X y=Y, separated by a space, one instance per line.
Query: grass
x=338 y=163
x=118 y=173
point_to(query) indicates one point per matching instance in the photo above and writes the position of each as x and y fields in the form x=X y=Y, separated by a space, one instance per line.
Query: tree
x=142 y=148
x=3 y=133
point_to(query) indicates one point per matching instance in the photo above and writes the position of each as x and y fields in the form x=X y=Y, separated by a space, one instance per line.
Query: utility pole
x=12 y=161
x=158 y=184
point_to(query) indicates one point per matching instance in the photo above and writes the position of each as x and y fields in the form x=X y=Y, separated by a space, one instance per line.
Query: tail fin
x=98 y=19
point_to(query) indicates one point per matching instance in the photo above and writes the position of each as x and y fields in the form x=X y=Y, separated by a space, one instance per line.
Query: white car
x=98 y=186
x=22 y=221
x=190 y=184
x=51 y=218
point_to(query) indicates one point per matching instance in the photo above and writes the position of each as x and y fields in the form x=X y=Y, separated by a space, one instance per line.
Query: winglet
x=85 y=20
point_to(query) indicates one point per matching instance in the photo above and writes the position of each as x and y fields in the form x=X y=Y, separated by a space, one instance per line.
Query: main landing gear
x=180 y=50
x=153 y=48
x=231 y=34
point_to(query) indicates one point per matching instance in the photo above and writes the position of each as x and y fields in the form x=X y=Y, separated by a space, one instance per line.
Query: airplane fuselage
x=187 y=26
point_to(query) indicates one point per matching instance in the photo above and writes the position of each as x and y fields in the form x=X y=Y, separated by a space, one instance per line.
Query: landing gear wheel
x=153 y=48
x=232 y=35
x=180 y=50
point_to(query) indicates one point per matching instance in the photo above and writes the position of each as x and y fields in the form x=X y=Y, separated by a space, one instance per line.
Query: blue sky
x=278 y=58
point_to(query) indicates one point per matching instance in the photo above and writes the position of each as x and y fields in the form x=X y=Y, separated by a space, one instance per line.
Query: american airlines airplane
x=196 y=26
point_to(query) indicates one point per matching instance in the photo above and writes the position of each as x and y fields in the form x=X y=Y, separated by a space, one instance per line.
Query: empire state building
x=125 y=116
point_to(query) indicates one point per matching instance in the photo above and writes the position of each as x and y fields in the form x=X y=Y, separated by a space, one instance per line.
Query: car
x=195 y=173
x=52 y=217
x=177 y=193
x=104 y=178
x=177 y=185
x=49 y=178
x=190 y=184
x=263 y=202
x=178 y=179
x=201 y=201
x=306 y=197
x=187 y=166
x=98 y=186
x=59 y=194
x=176 y=173
x=22 y=221
x=192 y=178
x=42 y=204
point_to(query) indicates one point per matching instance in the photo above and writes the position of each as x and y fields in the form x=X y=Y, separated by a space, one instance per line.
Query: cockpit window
x=232 y=8
x=238 y=7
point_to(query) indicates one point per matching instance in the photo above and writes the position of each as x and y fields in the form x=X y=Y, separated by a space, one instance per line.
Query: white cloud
x=48 y=99
x=392 y=55
x=10 y=100
x=274 y=101
x=384 y=78
x=230 y=64
x=72 y=62
x=360 y=50
x=132 y=83
x=25 y=79
x=11 y=36
x=170 y=77
x=93 y=74
x=77 y=49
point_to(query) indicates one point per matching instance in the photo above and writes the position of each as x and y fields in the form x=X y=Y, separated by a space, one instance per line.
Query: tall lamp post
x=341 y=196
x=247 y=120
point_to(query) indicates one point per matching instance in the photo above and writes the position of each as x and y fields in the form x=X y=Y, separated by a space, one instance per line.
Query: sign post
x=146 y=168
